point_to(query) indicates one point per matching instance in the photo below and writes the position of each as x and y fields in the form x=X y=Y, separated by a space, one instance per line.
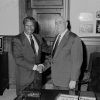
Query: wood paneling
x=45 y=12
x=47 y=24
x=46 y=3
x=46 y=20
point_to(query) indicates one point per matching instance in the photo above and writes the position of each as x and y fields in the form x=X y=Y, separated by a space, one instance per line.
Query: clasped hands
x=40 y=68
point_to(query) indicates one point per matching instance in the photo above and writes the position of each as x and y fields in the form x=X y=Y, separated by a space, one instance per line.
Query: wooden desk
x=52 y=94
x=46 y=94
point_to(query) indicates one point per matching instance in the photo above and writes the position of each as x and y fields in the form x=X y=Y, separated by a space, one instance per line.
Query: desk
x=52 y=94
x=46 y=94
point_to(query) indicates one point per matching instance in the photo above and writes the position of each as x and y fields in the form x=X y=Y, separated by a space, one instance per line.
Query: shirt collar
x=27 y=36
x=62 y=34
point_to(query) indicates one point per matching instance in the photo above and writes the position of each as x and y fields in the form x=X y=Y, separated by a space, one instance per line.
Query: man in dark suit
x=27 y=48
x=67 y=58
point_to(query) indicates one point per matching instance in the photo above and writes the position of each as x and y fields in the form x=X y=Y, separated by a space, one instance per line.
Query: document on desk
x=87 y=98
x=66 y=97
x=89 y=95
x=73 y=97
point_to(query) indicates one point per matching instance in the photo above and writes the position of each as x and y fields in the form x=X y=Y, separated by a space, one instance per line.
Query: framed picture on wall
x=98 y=14
x=86 y=28
x=98 y=26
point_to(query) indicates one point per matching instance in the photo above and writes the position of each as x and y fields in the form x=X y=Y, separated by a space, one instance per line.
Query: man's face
x=60 y=25
x=29 y=27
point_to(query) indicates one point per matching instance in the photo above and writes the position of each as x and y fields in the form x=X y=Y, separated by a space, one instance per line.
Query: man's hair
x=29 y=18
x=68 y=25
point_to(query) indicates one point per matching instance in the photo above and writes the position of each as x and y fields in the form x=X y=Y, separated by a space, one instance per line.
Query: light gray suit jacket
x=67 y=60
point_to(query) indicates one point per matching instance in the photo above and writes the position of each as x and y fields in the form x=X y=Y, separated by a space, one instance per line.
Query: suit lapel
x=53 y=44
x=62 y=42
x=38 y=42
x=26 y=44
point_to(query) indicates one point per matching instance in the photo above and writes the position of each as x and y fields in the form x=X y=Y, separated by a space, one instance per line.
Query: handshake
x=39 y=68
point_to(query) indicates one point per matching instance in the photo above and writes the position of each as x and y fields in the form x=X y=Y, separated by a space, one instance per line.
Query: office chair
x=92 y=74
x=84 y=78
x=94 y=67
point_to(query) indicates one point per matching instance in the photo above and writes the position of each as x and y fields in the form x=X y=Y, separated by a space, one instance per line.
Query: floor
x=8 y=94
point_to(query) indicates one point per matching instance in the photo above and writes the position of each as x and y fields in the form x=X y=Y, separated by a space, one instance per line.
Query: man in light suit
x=28 y=59
x=67 y=58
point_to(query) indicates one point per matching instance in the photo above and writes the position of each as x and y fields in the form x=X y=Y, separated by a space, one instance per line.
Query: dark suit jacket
x=25 y=59
x=67 y=60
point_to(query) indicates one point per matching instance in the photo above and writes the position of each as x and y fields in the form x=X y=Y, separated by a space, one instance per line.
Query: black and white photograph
x=49 y=49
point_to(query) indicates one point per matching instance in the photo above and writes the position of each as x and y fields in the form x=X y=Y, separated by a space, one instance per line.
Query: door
x=45 y=11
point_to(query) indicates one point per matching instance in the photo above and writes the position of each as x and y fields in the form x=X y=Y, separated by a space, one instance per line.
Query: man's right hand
x=72 y=84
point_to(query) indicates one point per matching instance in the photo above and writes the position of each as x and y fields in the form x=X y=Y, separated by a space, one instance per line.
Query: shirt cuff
x=35 y=67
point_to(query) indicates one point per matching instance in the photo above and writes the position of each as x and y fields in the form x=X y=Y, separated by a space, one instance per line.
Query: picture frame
x=1 y=44
x=98 y=14
x=98 y=26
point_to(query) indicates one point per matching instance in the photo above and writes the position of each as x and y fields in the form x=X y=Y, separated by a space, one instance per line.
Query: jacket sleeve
x=18 y=55
x=45 y=47
x=77 y=58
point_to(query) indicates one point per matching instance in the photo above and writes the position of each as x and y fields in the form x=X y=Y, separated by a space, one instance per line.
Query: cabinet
x=4 y=80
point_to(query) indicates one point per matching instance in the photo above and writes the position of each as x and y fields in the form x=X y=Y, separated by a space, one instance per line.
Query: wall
x=9 y=17
x=83 y=16
x=9 y=26
x=12 y=13
x=12 y=65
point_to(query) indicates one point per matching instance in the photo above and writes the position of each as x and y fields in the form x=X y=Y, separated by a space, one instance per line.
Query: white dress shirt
x=36 y=47
x=61 y=36
x=35 y=43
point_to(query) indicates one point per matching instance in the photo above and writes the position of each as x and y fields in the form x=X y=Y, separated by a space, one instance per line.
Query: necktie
x=32 y=44
x=56 y=45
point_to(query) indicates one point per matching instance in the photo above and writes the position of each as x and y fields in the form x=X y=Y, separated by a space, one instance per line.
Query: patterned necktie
x=56 y=45
x=32 y=44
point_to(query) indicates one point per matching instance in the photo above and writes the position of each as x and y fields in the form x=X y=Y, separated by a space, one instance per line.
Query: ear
x=68 y=25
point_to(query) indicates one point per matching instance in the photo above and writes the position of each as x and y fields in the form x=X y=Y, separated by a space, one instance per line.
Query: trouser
x=36 y=84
